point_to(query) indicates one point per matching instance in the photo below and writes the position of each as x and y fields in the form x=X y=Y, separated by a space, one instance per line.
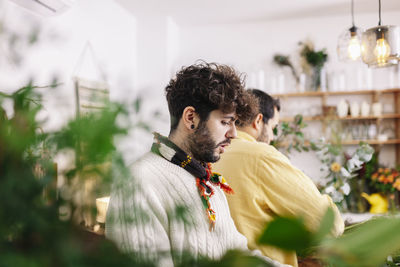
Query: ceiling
x=235 y=11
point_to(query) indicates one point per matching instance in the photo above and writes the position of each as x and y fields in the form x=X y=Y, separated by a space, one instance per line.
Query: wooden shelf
x=320 y=117
x=372 y=142
x=376 y=96
x=356 y=142
x=318 y=94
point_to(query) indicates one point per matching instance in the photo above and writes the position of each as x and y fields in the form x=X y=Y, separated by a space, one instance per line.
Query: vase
x=342 y=108
x=355 y=202
x=317 y=80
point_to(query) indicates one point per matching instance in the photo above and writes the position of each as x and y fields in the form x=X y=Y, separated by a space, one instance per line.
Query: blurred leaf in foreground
x=368 y=244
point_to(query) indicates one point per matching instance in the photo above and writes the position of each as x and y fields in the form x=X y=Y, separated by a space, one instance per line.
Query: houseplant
x=312 y=63
x=289 y=135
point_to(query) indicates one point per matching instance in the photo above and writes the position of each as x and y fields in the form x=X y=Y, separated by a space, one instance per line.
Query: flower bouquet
x=340 y=181
x=387 y=181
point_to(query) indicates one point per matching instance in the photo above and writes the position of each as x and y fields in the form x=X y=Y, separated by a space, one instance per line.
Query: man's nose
x=232 y=132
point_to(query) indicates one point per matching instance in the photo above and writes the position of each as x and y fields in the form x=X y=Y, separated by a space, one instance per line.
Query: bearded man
x=143 y=217
x=267 y=185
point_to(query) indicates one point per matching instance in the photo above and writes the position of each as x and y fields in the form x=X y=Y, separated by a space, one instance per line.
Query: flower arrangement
x=341 y=170
x=386 y=180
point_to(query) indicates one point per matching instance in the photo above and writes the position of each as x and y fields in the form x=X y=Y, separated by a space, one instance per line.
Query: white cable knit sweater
x=141 y=215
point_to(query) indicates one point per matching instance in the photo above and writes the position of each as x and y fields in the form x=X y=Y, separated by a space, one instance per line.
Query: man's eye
x=225 y=123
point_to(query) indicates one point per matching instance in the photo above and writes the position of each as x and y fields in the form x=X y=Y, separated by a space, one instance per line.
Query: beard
x=202 y=145
x=263 y=137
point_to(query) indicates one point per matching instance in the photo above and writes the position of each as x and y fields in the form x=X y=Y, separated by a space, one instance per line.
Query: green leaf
x=314 y=146
x=298 y=119
x=325 y=226
x=286 y=233
x=232 y=258
x=299 y=134
x=296 y=146
x=275 y=131
x=367 y=245
x=285 y=126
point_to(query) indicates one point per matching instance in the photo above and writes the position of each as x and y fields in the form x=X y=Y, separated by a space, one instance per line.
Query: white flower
x=354 y=163
x=345 y=173
x=365 y=152
x=345 y=189
x=335 y=195
x=330 y=189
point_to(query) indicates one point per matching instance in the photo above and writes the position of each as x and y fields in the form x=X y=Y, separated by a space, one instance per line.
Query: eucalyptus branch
x=282 y=60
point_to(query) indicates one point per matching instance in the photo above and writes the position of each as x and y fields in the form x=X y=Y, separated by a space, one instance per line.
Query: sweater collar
x=202 y=171
x=167 y=149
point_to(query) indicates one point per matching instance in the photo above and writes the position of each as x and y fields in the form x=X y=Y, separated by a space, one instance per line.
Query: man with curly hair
x=174 y=203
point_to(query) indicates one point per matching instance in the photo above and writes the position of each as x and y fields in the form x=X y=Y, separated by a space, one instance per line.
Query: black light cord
x=379 y=23
x=352 y=12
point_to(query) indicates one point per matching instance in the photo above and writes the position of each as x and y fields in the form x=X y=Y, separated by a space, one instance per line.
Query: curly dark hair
x=267 y=105
x=207 y=87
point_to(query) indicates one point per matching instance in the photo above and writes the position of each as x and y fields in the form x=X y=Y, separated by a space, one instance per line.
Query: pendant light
x=381 y=45
x=349 y=43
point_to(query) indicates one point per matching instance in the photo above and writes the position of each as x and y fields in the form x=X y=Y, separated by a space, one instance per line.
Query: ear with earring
x=192 y=126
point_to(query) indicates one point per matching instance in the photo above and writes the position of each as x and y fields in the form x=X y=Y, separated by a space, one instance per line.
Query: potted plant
x=313 y=62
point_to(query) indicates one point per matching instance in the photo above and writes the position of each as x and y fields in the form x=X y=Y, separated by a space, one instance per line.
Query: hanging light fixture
x=381 y=45
x=349 y=43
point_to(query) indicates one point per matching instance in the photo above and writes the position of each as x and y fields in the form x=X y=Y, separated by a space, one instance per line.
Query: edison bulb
x=354 y=48
x=382 y=50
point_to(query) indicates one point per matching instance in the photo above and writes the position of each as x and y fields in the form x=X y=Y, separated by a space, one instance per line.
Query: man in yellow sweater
x=266 y=184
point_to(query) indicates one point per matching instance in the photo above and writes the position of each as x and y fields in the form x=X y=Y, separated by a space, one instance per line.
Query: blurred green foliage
x=31 y=231
x=284 y=61
x=316 y=59
x=291 y=234
x=289 y=135
x=34 y=231
x=367 y=244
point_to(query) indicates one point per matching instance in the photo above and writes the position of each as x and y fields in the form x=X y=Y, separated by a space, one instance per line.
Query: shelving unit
x=376 y=96
x=320 y=117
x=361 y=92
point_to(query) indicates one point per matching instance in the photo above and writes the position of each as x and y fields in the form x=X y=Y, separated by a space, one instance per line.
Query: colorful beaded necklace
x=202 y=171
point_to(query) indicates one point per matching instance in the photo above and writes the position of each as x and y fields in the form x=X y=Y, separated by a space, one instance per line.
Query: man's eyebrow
x=232 y=118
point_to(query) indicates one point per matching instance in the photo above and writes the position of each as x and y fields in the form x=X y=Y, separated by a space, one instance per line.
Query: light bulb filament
x=381 y=51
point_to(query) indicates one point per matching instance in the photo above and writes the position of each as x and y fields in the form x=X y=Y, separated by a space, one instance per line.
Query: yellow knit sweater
x=266 y=185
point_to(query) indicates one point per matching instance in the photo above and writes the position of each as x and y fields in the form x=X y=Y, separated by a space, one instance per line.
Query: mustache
x=227 y=141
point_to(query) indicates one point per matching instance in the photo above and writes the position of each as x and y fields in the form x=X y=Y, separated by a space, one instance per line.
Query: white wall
x=111 y=33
